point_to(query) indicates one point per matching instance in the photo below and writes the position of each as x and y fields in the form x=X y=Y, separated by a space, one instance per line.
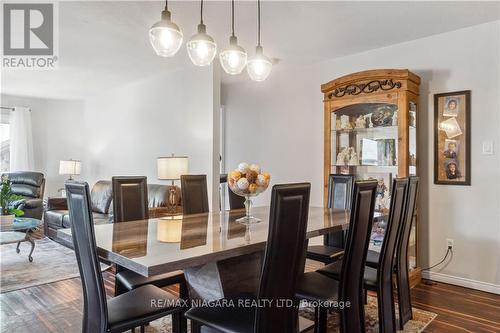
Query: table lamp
x=70 y=167
x=171 y=168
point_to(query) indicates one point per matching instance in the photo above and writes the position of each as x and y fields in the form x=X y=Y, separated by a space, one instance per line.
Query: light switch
x=487 y=147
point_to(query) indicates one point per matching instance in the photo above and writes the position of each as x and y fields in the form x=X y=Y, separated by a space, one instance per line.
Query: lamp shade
x=169 y=230
x=69 y=167
x=172 y=167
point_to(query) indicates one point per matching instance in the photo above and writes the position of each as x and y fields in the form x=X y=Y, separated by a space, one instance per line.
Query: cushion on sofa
x=101 y=195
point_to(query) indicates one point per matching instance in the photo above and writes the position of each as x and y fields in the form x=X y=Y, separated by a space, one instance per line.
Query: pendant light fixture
x=165 y=36
x=201 y=47
x=259 y=66
x=234 y=58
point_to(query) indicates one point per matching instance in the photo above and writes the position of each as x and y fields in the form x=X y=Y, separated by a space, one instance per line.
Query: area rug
x=51 y=262
x=421 y=319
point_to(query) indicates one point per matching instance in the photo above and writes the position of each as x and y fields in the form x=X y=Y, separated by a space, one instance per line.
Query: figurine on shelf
x=413 y=160
x=360 y=122
x=382 y=202
x=395 y=119
x=345 y=123
x=342 y=156
x=353 y=157
x=368 y=120
x=338 y=124
x=382 y=189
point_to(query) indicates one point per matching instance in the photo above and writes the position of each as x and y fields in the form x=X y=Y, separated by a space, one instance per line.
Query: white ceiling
x=105 y=44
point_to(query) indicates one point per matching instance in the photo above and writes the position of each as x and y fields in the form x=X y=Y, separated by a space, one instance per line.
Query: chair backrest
x=405 y=229
x=194 y=194
x=95 y=314
x=284 y=256
x=394 y=222
x=404 y=296
x=235 y=201
x=130 y=198
x=353 y=265
x=339 y=191
x=339 y=196
x=27 y=183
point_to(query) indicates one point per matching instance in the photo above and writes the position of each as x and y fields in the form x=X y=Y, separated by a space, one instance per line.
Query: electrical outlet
x=449 y=243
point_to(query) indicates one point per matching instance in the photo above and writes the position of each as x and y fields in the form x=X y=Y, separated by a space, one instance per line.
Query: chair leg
x=143 y=329
x=179 y=321
x=366 y=296
x=195 y=327
x=322 y=319
x=184 y=295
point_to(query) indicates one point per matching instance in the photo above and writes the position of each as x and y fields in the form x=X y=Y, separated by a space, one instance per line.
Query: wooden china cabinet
x=371 y=131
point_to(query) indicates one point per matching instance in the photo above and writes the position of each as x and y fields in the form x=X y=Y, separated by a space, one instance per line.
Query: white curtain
x=21 y=140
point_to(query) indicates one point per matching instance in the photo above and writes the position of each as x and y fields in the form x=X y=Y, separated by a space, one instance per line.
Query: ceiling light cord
x=201 y=12
x=232 y=16
x=258 y=20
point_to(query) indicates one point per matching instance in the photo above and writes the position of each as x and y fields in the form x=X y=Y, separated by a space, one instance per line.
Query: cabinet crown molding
x=371 y=81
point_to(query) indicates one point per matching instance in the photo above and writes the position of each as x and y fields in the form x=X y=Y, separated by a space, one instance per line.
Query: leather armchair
x=31 y=186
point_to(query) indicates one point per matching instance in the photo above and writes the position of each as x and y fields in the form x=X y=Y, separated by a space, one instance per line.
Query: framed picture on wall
x=452 y=138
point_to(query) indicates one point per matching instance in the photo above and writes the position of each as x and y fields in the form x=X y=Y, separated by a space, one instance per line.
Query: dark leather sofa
x=31 y=186
x=56 y=214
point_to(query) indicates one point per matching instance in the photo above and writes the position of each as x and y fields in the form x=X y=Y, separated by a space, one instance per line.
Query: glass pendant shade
x=259 y=66
x=201 y=47
x=165 y=36
x=234 y=58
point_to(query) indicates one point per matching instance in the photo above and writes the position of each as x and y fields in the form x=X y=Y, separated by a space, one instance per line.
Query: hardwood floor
x=459 y=309
x=57 y=307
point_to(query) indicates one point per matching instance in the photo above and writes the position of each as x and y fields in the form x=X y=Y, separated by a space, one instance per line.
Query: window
x=4 y=142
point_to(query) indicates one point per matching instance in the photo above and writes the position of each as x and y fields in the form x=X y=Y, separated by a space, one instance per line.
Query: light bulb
x=234 y=58
x=201 y=47
x=165 y=36
x=259 y=66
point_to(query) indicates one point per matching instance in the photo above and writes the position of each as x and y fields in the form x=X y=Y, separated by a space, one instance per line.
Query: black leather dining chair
x=235 y=201
x=282 y=265
x=130 y=203
x=339 y=196
x=401 y=266
x=380 y=280
x=130 y=198
x=121 y=313
x=319 y=288
x=194 y=194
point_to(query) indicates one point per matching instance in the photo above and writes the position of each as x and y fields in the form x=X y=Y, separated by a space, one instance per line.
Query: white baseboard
x=463 y=282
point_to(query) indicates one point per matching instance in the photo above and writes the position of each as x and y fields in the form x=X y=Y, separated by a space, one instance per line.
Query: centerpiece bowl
x=248 y=181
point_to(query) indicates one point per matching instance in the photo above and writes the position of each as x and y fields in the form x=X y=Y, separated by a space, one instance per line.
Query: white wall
x=123 y=130
x=278 y=123
x=57 y=134
x=128 y=127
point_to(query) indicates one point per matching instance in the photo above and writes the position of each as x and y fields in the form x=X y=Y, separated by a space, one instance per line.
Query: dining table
x=219 y=256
